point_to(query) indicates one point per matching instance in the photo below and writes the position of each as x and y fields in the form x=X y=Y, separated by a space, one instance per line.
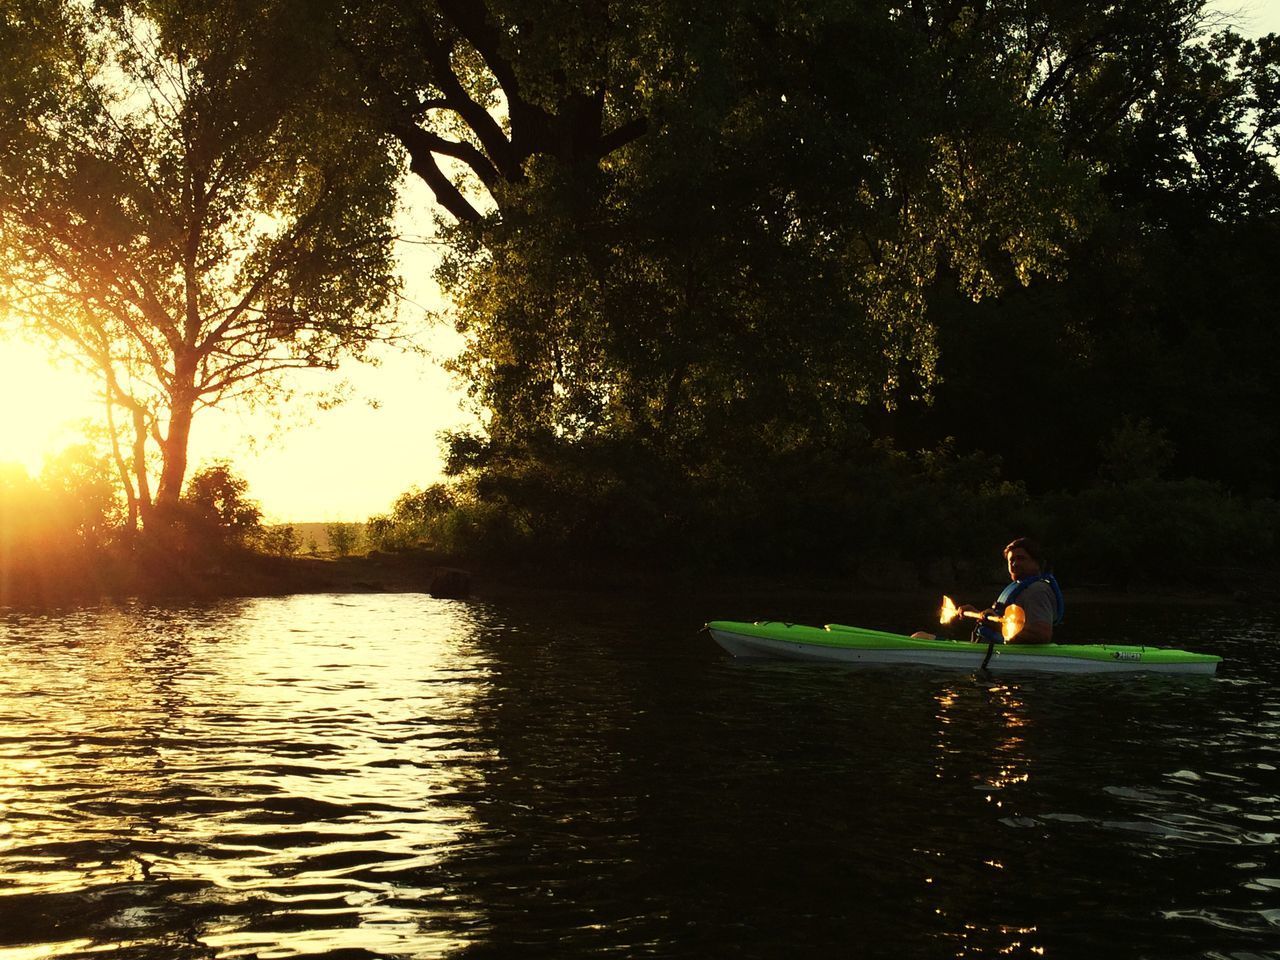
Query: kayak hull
x=852 y=645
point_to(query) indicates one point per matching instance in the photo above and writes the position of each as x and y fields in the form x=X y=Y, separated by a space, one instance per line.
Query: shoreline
x=59 y=581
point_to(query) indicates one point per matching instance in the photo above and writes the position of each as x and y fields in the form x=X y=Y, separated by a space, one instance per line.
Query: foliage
x=815 y=508
x=1167 y=313
x=281 y=540
x=181 y=210
x=744 y=285
x=1135 y=451
x=41 y=517
x=687 y=345
x=1172 y=532
x=82 y=484
x=415 y=519
x=343 y=537
x=215 y=515
x=867 y=513
x=54 y=528
x=673 y=288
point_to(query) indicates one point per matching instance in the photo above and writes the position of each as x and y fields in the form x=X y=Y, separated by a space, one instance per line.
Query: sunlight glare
x=44 y=404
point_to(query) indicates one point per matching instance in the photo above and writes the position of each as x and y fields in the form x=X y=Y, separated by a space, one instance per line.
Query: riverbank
x=64 y=579
x=241 y=574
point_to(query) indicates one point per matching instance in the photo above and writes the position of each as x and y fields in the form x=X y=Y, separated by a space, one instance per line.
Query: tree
x=183 y=212
x=342 y=537
x=280 y=540
x=217 y=510
x=689 y=214
x=1166 y=314
x=810 y=199
x=82 y=481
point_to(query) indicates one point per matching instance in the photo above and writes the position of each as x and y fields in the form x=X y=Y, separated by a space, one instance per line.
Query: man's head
x=1025 y=558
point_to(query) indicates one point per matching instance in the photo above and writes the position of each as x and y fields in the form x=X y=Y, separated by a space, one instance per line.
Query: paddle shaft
x=1011 y=621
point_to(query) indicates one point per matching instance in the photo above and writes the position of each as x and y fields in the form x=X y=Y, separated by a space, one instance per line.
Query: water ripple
x=397 y=776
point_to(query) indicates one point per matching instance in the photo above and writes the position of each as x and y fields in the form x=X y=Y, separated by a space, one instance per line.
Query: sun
x=43 y=405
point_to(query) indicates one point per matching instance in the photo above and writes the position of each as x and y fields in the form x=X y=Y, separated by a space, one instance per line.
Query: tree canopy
x=829 y=225
x=721 y=268
x=680 y=199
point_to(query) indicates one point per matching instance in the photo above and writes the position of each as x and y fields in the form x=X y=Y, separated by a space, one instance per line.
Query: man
x=1033 y=589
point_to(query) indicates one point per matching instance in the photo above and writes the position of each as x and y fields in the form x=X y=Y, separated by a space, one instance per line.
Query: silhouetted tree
x=182 y=211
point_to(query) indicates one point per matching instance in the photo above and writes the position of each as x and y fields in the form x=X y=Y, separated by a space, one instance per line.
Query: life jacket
x=990 y=632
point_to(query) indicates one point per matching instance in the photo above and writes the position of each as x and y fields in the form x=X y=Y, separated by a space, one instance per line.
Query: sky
x=1252 y=18
x=350 y=462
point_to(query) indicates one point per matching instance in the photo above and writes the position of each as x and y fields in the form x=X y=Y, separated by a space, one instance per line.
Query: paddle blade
x=1012 y=622
x=948 y=613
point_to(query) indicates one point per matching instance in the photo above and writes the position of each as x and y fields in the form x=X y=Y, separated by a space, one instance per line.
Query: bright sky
x=352 y=461
x=347 y=463
x=1253 y=18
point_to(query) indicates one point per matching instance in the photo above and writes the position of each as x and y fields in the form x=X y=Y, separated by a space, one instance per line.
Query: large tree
x=1167 y=312
x=181 y=209
x=662 y=206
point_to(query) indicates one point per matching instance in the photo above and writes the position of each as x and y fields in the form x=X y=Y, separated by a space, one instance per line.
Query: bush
x=828 y=510
x=280 y=541
x=1182 y=531
x=343 y=537
x=215 y=515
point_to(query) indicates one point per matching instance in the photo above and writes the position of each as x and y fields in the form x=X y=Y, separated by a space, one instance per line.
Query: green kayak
x=841 y=644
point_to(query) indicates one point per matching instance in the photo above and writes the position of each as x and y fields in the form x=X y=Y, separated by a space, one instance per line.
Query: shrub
x=281 y=541
x=343 y=537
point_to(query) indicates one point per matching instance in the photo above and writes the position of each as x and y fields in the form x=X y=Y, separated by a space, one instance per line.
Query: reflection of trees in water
x=636 y=797
x=411 y=776
x=551 y=856
x=89 y=700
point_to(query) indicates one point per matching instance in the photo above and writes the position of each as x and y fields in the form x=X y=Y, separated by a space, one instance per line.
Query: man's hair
x=1032 y=548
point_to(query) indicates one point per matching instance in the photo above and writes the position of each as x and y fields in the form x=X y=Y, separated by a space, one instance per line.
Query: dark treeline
x=876 y=288
x=858 y=288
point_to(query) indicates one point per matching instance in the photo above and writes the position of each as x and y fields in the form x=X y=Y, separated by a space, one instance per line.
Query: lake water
x=580 y=776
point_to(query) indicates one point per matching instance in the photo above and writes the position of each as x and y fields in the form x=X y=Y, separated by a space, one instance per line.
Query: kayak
x=841 y=644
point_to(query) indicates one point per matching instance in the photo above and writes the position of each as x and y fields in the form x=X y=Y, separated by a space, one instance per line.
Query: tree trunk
x=173 y=448
x=122 y=467
x=140 y=464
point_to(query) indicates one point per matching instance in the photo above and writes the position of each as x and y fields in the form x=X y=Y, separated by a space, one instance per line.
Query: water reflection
x=982 y=729
x=395 y=776
x=274 y=769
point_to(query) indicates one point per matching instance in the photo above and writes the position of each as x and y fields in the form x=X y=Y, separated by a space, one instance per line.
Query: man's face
x=1020 y=564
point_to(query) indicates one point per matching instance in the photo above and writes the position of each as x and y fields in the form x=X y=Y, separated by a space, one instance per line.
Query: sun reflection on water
x=281 y=758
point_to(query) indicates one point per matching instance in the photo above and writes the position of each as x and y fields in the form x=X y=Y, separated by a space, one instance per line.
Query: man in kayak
x=1032 y=587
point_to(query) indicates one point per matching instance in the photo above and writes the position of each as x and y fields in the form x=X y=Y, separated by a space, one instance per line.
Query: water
x=398 y=776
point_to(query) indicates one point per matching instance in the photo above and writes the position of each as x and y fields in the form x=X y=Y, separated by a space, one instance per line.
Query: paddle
x=1010 y=624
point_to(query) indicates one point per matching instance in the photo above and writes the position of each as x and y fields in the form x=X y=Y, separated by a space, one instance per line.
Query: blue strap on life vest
x=990 y=632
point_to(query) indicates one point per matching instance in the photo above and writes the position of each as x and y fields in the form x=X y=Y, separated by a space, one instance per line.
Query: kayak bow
x=841 y=644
